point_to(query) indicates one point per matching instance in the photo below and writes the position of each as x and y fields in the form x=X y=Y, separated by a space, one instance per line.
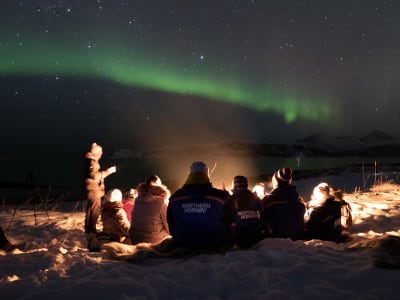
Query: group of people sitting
x=200 y=216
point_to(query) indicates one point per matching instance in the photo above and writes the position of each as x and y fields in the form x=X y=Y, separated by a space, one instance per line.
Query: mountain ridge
x=375 y=143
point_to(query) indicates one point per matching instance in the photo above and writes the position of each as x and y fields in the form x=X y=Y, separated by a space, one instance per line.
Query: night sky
x=145 y=74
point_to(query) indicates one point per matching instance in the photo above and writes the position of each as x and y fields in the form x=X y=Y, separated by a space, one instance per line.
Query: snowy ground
x=56 y=265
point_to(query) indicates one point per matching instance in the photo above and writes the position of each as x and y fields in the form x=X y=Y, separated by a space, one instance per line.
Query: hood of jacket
x=112 y=205
x=149 y=193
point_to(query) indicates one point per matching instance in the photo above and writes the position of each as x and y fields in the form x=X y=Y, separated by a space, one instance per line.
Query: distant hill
x=376 y=143
x=378 y=137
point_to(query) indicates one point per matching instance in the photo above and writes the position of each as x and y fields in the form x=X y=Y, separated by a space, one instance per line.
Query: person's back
x=149 y=214
x=115 y=222
x=324 y=221
x=196 y=213
x=283 y=209
x=246 y=207
x=324 y=215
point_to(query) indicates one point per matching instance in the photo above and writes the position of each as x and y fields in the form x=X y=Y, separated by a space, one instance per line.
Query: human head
x=259 y=190
x=153 y=180
x=240 y=183
x=114 y=195
x=199 y=167
x=320 y=193
x=199 y=174
x=282 y=177
x=132 y=194
x=96 y=151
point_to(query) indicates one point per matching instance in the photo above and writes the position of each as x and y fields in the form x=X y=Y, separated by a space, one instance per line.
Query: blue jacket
x=196 y=217
x=283 y=213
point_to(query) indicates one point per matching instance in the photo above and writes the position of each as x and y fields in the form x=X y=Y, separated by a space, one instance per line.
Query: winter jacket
x=94 y=181
x=283 y=213
x=115 y=221
x=197 y=216
x=325 y=221
x=149 y=214
x=246 y=227
x=128 y=207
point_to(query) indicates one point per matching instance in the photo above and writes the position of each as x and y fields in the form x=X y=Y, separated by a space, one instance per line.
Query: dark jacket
x=149 y=214
x=283 y=213
x=197 y=218
x=115 y=221
x=246 y=227
x=325 y=221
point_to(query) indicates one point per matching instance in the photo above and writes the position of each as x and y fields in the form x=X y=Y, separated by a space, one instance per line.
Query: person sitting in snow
x=323 y=216
x=283 y=209
x=197 y=213
x=94 y=187
x=347 y=218
x=246 y=207
x=149 y=215
x=115 y=222
x=114 y=218
x=129 y=201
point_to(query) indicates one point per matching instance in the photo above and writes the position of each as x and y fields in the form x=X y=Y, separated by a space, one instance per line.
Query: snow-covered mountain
x=374 y=143
x=377 y=138
x=332 y=144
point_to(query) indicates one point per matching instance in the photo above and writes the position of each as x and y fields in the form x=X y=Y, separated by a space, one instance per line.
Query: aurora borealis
x=141 y=71
x=236 y=70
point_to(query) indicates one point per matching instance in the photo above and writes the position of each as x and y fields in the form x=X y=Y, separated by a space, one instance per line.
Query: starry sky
x=145 y=74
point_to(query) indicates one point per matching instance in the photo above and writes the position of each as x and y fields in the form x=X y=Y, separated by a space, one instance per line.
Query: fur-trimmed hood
x=148 y=193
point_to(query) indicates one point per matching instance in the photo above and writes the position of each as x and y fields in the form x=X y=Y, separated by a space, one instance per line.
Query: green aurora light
x=134 y=68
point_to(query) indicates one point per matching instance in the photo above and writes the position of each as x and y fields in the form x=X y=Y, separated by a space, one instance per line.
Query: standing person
x=94 y=185
x=324 y=216
x=197 y=213
x=246 y=206
x=283 y=212
x=149 y=214
x=128 y=202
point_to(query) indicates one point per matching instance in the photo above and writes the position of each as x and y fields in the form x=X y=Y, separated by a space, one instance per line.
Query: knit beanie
x=199 y=174
x=283 y=176
x=114 y=195
x=153 y=180
x=200 y=167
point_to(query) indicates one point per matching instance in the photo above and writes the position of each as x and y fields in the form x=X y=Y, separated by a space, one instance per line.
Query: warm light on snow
x=56 y=262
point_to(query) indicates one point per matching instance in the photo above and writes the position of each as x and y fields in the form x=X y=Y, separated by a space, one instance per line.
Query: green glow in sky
x=145 y=70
